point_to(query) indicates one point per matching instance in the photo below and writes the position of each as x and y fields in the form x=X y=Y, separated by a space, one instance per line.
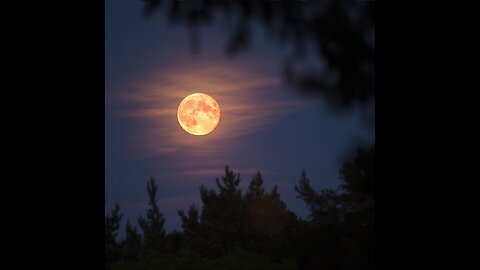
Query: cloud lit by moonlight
x=251 y=100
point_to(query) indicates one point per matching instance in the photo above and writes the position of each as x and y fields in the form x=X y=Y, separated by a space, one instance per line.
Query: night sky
x=266 y=126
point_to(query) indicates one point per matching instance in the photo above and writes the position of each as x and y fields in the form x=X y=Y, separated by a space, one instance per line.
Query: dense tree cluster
x=254 y=229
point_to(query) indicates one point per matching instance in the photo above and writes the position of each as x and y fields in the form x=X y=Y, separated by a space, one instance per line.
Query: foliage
x=333 y=41
x=152 y=225
x=112 y=225
x=255 y=230
x=185 y=259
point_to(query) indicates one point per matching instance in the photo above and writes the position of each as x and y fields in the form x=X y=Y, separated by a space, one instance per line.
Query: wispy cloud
x=219 y=172
x=250 y=100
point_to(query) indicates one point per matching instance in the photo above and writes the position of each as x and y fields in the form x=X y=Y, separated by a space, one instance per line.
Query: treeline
x=254 y=229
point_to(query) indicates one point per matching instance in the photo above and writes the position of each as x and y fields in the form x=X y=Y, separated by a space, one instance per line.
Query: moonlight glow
x=198 y=114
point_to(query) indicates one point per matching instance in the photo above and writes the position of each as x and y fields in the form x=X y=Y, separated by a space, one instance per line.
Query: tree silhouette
x=132 y=244
x=190 y=222
x=267 y=218
x=190 y=227
x=152 y=225
x=222 y=213
x=337 y=35
x=341 y=227
x=358 y=175
x=266 y=213
x=255 y=188
x=112 y=225
x=255 y=230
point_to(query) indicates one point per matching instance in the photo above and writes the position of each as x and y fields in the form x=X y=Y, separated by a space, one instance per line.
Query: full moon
x=198 y=114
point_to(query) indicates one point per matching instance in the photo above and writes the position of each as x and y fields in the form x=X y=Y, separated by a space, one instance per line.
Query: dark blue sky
x=265 y=126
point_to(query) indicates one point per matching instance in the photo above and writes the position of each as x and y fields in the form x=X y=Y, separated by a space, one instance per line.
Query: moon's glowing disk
x=198 y=114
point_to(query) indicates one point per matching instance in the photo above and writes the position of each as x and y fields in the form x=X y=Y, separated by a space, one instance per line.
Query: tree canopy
x=254 y=229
